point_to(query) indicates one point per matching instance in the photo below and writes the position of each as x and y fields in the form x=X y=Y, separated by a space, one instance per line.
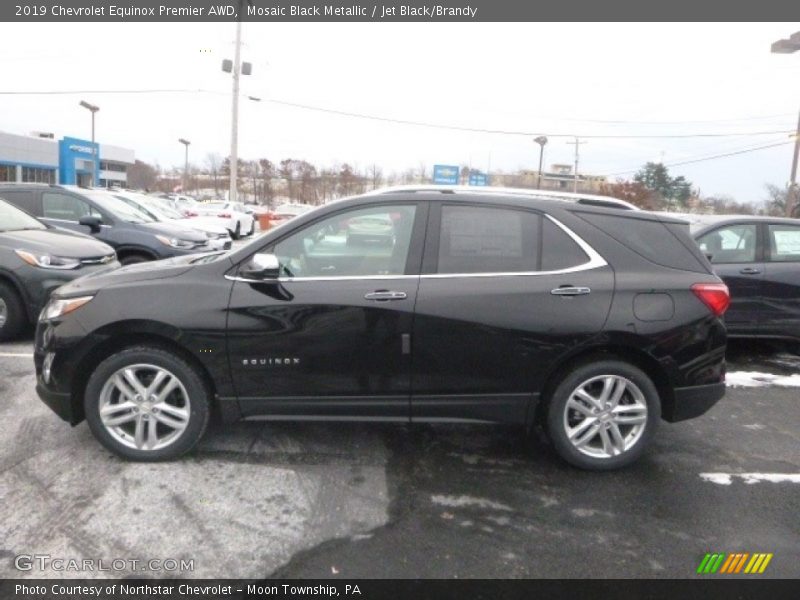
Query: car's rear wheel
x=603 y=414
x=237 y=233
x=146 y=403
x=132 y=259
x=252 y=228
x=12 y=313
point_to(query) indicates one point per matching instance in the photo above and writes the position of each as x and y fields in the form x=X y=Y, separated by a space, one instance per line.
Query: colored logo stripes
x=740 y=562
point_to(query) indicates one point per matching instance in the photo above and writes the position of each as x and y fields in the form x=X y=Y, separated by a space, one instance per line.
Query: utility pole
x=791 y=45
x=237 y=63
x=577 y=143
x=793 y=197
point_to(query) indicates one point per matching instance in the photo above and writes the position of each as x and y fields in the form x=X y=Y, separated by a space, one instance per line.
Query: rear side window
x=559 y=251
x=651 y=239
x=21 y=199
x=784 y=243
x=488 y=240
x=732 y=244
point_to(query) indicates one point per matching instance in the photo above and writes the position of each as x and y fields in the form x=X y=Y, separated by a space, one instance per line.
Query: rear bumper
x=691 y=402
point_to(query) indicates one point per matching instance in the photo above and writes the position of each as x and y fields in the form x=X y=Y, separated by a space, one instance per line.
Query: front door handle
x=750 y=271
x=385 y=295
x=570 y=290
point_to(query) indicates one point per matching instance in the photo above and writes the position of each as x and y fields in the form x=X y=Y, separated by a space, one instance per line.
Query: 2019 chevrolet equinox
x=594 y=321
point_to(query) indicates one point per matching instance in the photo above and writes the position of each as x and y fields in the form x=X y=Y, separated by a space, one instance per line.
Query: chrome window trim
x=595 y=262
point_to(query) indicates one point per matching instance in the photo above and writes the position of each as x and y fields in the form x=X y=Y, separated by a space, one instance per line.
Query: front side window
x=65 y=208
x=732 y=244
x=784 y=243
x=370 y=241
x=476 y=239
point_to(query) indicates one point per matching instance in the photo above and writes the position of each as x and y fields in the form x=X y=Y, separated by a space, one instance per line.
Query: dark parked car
x=487 y=307
x=136 y=236
x=36 y=259
x=759 y=260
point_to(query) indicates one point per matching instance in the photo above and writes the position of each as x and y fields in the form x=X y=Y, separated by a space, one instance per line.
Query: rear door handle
x=569 y=290
x=750 y=271
x=385 y=295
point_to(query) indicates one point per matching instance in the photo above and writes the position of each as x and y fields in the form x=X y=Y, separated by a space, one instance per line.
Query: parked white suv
x=231 y=215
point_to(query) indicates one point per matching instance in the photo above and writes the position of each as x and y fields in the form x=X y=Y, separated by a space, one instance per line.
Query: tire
x=599 y=421
x=252 y=228
x=189 y=402
x=132 y=259
x=237 y=233
x=12 y=313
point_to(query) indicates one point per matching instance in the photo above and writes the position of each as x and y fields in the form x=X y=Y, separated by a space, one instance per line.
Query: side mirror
x=262 y=266
x=93 y=223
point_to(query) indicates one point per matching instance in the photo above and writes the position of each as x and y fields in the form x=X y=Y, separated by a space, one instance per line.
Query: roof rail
x=587 y=199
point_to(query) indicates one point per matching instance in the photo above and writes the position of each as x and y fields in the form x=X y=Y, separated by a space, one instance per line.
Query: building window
x=8 y=173
x=36 y=175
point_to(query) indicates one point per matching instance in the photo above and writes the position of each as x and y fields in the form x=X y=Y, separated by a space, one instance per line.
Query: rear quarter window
x=653 y=240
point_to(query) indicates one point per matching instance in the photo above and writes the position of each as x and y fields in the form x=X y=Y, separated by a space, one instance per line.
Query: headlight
x=58 y=307
x=175 y=242
x=48 y=261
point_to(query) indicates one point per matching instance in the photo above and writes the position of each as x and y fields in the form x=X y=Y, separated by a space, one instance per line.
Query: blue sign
x=478 y=179
x=446 y=174
x=78 y=159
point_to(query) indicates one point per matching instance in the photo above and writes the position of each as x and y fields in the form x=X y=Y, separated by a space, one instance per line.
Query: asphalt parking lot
x=361 y=500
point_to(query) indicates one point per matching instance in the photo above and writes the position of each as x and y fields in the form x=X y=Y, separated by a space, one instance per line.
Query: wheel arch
x=16 y=285
x=655 y=370
x=128 y=334
x=123 y=251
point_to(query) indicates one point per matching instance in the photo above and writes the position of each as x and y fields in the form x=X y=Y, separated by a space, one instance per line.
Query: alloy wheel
x=144 y=406
x=605 y=416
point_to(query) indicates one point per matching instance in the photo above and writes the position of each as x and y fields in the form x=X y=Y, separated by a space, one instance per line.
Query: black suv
x=594 y=322
x=136 y=236
x=34 y=260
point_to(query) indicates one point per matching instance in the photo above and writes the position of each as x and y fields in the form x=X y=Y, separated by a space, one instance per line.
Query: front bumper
x=691 y=402
x=59 y=402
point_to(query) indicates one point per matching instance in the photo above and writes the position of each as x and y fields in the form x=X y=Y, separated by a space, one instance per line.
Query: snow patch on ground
x=757 y=379
x=466 y=501
x=750 y=478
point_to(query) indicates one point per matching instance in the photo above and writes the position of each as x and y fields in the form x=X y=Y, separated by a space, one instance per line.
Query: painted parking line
x=16 y=354
x=750 y=478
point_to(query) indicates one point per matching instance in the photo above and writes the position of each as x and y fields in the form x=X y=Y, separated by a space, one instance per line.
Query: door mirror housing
x=92 y=222
x=261 y=267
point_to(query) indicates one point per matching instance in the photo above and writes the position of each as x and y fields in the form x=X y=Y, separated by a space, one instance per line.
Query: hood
x=55 y=241
x=174 y=231
x=146 y=271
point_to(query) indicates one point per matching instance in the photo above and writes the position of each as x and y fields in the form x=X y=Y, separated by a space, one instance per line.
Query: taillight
x=224 y=215
x=189 y=213
x=714 y=295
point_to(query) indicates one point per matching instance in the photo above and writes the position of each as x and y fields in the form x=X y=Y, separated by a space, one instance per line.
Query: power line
x=398 y=121
x=713 y=157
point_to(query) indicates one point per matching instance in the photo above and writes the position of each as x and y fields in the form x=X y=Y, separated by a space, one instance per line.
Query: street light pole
x=577 y=143
x=185 y=165
x=541 y=140
x=93 y=109
x=791 y=45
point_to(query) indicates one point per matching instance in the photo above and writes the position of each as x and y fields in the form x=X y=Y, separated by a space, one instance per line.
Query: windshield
x=119 y=208
x=13 y=219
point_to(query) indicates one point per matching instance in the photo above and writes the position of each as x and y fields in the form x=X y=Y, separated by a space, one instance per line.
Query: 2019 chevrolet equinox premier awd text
x=596 y=322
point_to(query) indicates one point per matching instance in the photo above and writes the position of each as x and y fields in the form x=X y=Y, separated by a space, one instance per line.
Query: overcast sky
x=529 y=77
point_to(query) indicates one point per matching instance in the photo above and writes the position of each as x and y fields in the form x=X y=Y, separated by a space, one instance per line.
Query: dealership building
x=39 y=158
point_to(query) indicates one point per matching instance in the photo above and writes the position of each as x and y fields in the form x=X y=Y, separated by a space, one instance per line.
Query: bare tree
x=214 y=165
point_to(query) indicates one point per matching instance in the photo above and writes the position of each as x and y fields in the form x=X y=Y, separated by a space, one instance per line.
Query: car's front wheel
x=12 y=313
x=146 y=403
x=602 y=415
